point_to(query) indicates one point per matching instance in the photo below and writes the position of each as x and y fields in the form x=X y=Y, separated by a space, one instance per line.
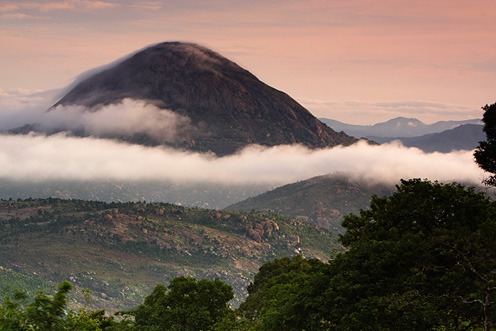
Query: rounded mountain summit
x=222 y=106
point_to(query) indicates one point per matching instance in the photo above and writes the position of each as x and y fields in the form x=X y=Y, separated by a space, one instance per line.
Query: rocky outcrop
x=260 y=231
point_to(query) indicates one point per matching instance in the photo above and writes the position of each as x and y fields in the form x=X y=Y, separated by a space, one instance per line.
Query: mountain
x=120 y=251
x=396 y=127
x=463 y=137
x=322 y=200
x=221 y=106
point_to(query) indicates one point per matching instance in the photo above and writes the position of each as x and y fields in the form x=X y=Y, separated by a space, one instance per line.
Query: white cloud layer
x=40 y=157
x=126 y=118
x=37 y=157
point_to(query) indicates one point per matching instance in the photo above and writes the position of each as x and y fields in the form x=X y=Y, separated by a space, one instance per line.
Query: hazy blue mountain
x=396 y=127
x=463 y=137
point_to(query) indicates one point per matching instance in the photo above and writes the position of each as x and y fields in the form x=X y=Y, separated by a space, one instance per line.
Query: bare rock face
x=228 y=108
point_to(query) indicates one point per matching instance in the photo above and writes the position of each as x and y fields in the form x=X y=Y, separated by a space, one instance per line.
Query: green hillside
x=322 y=200
x=122 y=250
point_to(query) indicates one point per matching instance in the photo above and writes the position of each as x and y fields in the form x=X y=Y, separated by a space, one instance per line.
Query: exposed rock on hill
x=122 y=250
x=228 y=107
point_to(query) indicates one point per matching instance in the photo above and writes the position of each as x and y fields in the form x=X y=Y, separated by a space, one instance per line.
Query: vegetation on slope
x=121 y=250
x=322 y=200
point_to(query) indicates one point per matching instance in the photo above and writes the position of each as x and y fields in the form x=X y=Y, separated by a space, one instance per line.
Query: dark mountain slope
x=229 y=107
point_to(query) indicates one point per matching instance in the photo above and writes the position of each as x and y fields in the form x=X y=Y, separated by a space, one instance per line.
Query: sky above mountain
x=356 y=61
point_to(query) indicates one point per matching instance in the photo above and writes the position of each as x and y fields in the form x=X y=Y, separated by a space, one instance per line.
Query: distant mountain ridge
x=463 y=137
x=396 y=127
x=229 y=108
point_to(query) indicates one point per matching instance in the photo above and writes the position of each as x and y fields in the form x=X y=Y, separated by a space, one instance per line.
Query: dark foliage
x=485 y=154
x=186 y=304
x=423 y=258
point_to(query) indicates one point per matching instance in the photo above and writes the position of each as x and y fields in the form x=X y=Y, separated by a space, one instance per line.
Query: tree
x=11 y=313
x=47 y=313
x=282 y=293
x=186 y=304
x=485 y=154
x=420 y=259
x=50 y=313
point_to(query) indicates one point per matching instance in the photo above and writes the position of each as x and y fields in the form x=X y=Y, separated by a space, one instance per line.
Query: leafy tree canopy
x=485 y=154
x=47 y=312
x=420 y=259
x=186 y=304
x=281 y=294
x=423 y=258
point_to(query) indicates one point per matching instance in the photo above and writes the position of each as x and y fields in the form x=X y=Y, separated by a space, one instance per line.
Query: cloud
x=37 y=157
x=147 y=5
x=126 y=118
x=30 y=9
x=68 y=5
x=89 y=4
x=20 y=106
x=18 y=16
x=8 y=8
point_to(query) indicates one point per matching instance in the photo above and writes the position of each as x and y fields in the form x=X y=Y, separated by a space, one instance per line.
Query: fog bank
x=38 y=157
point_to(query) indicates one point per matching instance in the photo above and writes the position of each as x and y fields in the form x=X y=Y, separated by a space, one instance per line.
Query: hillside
x=121 y=250
x=322 y=200
x=216 y=105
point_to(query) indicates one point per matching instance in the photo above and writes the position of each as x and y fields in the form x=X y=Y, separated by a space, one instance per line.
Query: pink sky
x=356 y=61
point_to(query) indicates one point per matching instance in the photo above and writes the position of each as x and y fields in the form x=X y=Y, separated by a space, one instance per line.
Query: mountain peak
x=147 y=74
x=403 y=121
x=228 y=106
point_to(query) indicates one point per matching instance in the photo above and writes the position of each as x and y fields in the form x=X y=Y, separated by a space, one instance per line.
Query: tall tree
x=485 y=154
x=186 y=304
x=281 y=295
x=420 y=259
